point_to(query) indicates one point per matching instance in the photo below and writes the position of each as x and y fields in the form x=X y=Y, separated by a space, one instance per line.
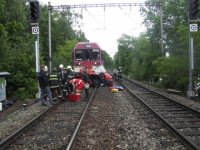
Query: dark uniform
x=62 y=77
x=115 y=74
x=54 y=83
x=119 y=74
x=86 y=80
x=44 y=86
x=69 y=76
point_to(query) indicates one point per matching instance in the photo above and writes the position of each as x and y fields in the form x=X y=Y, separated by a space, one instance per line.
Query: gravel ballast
x=112 y=123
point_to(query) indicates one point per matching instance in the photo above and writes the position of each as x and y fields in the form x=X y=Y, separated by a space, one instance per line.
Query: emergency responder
x=44 y=85
x=69 y=76
x=115 y=74
x=86 y=80
x=62 y=74
x=119 y=74
x=69 y=73
x=54 y=84
x=197 y=88
x=78 y=85
x=62 y=77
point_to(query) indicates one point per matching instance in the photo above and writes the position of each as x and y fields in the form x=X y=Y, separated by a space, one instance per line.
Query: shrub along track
x=181 y=120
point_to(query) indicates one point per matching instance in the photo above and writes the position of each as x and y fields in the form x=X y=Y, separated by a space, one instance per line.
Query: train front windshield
x=87 y=54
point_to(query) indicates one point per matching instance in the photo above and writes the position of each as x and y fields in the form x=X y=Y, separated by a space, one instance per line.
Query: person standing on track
x=62 y=74
x=69 y=76
x=62 y=77
x=69 y=72
x=44 y=85
x=54 y=84
x=86 y=80
x=119 y=74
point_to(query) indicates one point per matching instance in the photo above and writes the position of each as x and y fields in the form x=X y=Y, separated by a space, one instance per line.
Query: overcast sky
x=105 y=26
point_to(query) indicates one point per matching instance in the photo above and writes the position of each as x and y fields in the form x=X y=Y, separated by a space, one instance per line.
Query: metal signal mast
x=193 y=19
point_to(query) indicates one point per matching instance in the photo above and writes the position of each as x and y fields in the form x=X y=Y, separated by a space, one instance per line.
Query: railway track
x=56 y=128
x=104 y=128
x=181 y=120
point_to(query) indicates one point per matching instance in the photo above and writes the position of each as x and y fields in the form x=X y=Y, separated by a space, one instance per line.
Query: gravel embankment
x=19 y=118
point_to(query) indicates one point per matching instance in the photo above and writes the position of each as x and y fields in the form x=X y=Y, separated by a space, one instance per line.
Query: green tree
x=107 y=60
x=125 y=45
x=65 y=54
x=17 y=52
x=175 y=35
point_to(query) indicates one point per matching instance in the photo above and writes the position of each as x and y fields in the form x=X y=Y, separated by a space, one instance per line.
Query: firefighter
x=54 y=83
x=115 y=74
x=119 y=74
x=69 y=73
x=62 y=74
x=86 y=80
x=62 y=77
x=69 y=76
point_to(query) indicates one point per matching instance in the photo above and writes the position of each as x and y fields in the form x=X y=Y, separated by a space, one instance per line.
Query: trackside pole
x=37 y=63
x=190 y=92
x=1 y=106
x=50 y=60
x=34 y=21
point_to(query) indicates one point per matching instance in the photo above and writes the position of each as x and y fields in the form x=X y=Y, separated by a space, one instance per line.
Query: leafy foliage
x=144 y=61
x=108 y=62
x=17 y=52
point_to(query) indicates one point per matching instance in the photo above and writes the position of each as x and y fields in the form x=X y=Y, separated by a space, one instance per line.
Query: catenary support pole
x=190 y=92
x=50 y=60
x=37 y=59
x=161 y=29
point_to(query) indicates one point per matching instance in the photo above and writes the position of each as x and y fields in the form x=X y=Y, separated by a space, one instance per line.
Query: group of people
x=61 y=83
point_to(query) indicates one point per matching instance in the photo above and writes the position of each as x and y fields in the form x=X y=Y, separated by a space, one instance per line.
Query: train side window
x=78 y=55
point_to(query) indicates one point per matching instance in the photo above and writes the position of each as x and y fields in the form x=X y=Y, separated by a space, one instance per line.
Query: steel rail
x=8 y=140
x=153 y=91
x=12 y=137
x=73 y=138
x=187 y=142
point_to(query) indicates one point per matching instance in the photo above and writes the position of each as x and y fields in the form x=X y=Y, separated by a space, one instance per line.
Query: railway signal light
x=193 y=9
x=34 y=11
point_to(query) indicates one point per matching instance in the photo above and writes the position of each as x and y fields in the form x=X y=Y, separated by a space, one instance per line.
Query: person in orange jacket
x=78 y=85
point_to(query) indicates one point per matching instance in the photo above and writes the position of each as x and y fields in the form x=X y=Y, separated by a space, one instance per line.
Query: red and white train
x=89 y=55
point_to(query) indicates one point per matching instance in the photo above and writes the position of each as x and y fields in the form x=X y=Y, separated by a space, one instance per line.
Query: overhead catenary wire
x=96 y=20
x=83 y=6
x=106 y=5
x=128 y=15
